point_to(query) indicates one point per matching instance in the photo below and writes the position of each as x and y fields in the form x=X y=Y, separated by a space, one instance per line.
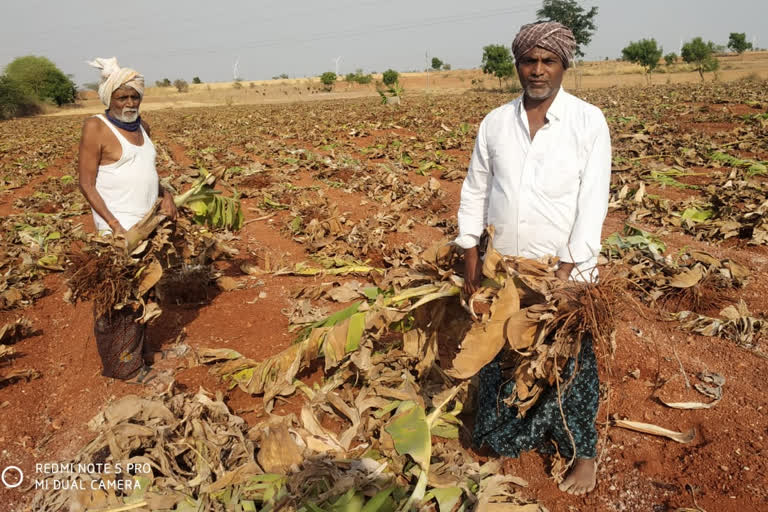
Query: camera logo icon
x=7 y=477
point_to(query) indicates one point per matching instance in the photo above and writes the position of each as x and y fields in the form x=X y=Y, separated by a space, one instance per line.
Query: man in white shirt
x=540 y=174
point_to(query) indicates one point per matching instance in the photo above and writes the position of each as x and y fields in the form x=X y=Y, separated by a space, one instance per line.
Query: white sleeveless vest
x=129 y=186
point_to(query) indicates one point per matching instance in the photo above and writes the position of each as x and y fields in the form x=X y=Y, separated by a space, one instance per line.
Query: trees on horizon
x=645 y=52
x=571 y=14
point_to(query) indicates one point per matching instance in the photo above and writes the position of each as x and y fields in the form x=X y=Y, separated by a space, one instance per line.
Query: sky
x=261 y=39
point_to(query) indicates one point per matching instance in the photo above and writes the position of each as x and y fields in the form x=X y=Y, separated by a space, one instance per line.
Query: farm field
x=593 y=75
x=327 y=184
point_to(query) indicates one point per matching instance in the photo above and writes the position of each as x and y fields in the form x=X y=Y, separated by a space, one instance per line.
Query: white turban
x=113 y=77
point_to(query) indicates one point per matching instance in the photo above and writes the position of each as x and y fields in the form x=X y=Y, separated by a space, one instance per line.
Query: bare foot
x=153 y=357
x=157 y=380
x=581 y=479
x=168 y=358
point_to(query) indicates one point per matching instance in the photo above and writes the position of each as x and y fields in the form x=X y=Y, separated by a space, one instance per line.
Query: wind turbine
x=236 y=70
x=336 y=60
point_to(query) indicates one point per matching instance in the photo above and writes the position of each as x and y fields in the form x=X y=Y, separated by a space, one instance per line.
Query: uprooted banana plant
x=207 y=204
x=115 y=277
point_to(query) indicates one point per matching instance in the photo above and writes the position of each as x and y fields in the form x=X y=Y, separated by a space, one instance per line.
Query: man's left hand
x=167 y=206
x=564 y=271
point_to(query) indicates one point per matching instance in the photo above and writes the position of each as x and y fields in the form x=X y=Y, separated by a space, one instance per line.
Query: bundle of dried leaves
x=173 y=260
x=535 y=319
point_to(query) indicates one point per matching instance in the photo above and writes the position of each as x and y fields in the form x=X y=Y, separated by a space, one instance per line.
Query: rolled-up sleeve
x=592 y=202
x=474 y=194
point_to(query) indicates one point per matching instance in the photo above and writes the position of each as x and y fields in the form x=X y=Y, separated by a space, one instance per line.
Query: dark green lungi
x=120 y=342
x=497 y=424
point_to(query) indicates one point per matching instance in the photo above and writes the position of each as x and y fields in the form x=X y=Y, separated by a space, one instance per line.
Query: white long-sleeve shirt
x=546 y=196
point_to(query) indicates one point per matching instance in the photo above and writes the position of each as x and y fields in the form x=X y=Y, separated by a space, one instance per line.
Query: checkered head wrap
x=550 y=35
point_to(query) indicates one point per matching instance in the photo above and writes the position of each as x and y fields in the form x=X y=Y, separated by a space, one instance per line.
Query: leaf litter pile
x=380 y=430
x=9 y=334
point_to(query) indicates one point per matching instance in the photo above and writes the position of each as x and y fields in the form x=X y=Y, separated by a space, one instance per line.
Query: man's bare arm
x=88 y=167
x=472 y=270
x=167 y=205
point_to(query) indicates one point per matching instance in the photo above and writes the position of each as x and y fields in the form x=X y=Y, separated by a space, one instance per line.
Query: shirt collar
x=556 y=109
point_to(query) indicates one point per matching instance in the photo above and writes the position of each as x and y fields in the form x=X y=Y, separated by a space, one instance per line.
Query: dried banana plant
x=116 y=274
x=165 y=453
x=14 y=331
x=190 y=452
x=735 y=323
x=207 y=205
x=694 y=279
x=169 y=266
x=11 y=333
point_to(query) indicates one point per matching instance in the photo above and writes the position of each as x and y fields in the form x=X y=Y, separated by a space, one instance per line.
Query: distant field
x=593 y=75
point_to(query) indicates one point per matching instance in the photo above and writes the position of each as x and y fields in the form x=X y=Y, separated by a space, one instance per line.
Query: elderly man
x=119 y=179
x=540 y=174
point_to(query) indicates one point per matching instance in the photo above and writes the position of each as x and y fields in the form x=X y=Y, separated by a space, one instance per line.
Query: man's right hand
x=117 y=228
x=472 y=270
